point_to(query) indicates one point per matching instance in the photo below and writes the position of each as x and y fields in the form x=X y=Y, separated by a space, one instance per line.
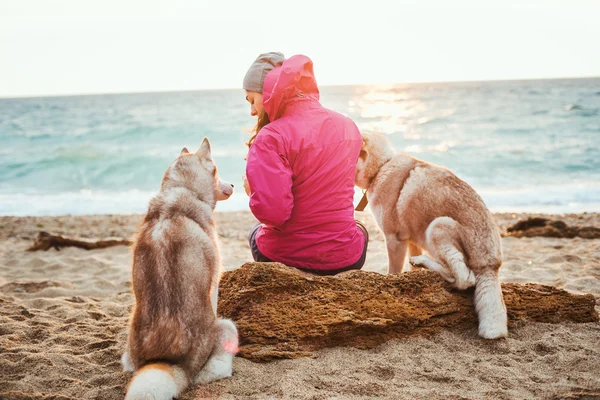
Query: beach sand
x=63 y=316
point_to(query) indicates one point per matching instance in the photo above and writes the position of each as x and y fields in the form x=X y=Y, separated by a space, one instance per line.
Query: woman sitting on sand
x=300 y=171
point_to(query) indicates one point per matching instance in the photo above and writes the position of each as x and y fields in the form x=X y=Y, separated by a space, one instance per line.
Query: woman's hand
x=246 y=185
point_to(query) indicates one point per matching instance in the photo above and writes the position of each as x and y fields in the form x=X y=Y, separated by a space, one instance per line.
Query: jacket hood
x=294 y=79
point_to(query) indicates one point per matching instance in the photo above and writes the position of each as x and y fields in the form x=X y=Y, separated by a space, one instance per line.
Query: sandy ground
x=63 y=317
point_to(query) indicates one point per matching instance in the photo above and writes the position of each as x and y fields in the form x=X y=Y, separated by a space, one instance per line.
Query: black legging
x=260 y=257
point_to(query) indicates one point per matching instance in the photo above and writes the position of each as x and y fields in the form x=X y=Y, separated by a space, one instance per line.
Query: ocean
x=530 y=146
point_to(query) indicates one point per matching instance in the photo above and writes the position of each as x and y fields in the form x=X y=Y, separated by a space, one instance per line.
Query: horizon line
x=320 y=86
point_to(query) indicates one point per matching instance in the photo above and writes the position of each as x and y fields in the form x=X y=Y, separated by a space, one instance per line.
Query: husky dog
x=175 y=339
x=421 y=206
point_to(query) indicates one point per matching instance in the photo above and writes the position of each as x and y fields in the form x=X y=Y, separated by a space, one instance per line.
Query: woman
x=300 y=171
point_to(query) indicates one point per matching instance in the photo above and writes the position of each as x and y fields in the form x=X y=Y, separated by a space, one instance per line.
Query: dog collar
x=363 y=202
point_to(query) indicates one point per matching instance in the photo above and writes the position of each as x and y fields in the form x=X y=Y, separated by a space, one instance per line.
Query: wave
x=570 y=198
x=87 y=202
x=575 y=198
x=570 y=107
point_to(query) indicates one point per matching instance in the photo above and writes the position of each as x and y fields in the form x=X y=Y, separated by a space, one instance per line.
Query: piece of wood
x=536 y=226
x=45 y=241
x=281 y=312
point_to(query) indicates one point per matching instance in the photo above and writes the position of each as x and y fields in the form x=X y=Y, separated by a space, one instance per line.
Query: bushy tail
x=490 y=307
x=158 y=381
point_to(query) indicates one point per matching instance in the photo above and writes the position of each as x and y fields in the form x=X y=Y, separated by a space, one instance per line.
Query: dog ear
x=204 y=150
x=363 y=154
x=184 y=151
x=365 y=139
x=363 y=148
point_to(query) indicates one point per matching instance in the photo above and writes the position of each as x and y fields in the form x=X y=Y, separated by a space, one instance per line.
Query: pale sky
x=53 y=47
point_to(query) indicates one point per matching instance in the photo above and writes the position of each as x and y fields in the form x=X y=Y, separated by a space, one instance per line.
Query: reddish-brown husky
x=175 y=338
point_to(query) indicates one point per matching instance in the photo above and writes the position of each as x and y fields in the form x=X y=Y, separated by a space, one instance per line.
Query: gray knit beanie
x=255 y=77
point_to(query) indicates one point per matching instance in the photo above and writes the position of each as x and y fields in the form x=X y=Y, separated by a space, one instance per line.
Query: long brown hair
x=263 y=119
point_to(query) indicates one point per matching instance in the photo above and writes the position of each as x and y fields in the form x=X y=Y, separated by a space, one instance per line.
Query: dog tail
x=490 y=307
x=158 y=381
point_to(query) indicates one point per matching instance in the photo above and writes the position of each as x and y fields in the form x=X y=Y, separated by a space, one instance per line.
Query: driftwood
x=531 y=227
x=281 y=312
x=45 y=241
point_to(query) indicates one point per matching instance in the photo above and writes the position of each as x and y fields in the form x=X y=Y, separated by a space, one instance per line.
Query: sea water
x=523 y=145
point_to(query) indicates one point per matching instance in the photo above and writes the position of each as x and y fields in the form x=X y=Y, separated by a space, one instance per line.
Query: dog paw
x=426 y=262
x=464 y=284
x=493 y=327
x=417 y=262
x=493 y=332
x=216 y=368
x=127 y=363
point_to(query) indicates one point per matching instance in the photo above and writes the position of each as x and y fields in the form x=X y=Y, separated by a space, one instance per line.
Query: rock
x=532 y=227
x=282 y=312
x=531 y=222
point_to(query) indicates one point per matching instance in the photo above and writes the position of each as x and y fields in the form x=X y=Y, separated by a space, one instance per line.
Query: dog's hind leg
x=413 y=251
x=443 y=244
x=396 y=253
x=220 y=363
x=214 y=298
x=126 y=362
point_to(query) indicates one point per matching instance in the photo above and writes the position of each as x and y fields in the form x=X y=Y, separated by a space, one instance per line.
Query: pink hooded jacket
x=301 y=170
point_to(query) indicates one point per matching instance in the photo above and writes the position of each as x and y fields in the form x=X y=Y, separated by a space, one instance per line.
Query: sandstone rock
x=282 y=312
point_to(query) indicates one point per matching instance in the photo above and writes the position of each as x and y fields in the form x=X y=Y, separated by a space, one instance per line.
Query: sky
x=62 y=47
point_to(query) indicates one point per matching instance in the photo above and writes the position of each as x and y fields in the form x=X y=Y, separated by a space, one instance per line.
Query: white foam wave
x=569 y=198
x=87 y=202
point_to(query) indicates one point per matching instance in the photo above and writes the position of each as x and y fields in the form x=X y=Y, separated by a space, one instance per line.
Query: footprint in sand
x=555 y=259
x=32 y=287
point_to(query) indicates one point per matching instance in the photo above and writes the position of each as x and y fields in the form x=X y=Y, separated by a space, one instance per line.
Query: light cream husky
x=175 y=339
x=421 y=206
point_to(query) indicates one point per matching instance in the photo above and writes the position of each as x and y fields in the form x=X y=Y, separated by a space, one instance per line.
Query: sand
x=63 y=317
